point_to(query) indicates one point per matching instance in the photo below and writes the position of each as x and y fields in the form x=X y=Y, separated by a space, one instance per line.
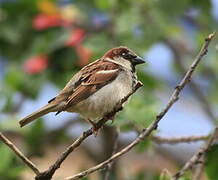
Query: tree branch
x=47 y=175
x=193 y=85
x=19 y=154
x=172 y=140
x=199 y=169
x=175 y=140
x=154 y=125
x=115 y=147
x=197 y=156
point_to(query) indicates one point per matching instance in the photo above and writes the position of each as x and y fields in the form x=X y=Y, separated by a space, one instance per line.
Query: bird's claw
x=94 y=127
x=94 y=131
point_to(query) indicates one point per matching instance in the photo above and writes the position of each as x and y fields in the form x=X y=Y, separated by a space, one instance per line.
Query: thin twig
x=19 y=154
x=198 y=93
x=199 y=169
x=197 y=156
x=47 y=175
x=115 y=147
x=172 y=140
x=146 y=132
x=165 y=174
x=175 y=140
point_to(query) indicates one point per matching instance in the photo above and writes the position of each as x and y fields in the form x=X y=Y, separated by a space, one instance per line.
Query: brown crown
x=116 y=52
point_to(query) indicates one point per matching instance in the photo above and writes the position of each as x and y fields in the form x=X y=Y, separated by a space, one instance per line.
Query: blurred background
x=44 y=42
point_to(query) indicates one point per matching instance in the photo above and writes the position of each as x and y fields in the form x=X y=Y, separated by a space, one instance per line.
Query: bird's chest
x=104 y=100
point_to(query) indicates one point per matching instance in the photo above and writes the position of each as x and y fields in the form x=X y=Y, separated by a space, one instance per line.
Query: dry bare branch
x=115 y=147
x=146 y=132
x=172 y=140
x=19 y=154
x=47 y=175
x=199 y=169
x=198 y=93
x=176 y=140
x=197 y=156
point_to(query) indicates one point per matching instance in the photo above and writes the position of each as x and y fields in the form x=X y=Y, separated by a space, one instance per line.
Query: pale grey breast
x=104 y=100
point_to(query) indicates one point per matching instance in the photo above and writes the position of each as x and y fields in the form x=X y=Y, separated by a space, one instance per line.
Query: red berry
x=44 y=21
x=35 y=64
x=84 y=55
x=76 y=37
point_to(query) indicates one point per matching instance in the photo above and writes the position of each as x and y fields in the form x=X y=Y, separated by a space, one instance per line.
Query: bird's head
x=124 y=56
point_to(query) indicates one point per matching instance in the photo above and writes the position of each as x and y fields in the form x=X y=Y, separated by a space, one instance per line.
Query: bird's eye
x=127 y=56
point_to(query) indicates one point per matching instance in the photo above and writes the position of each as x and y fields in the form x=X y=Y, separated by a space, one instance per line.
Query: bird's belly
x=104 y=100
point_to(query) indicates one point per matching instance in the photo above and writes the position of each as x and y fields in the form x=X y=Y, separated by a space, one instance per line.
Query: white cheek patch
x=121 y=61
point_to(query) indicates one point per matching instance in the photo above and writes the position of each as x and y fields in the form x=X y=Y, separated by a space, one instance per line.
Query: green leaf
x=211 y=163
x=16 y=80
x=15 y=172
x=143 y=145
x=140 y=110
x=126 y=127
x=6 y=158
x=13 y=78
x=35 y=137
x=165 y=175
x=149 y=81
x=185 y=178
x=175 y=10
x=9 y=168
x=105 y=4
x=63 y=61
x=85 y=178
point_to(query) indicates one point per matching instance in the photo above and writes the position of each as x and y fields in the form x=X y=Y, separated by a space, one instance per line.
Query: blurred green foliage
x=10 y=169
x=211 y=163
x=35 y=137
x=45 y=41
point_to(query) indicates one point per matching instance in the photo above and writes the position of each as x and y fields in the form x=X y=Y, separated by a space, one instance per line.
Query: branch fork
x=48 y=174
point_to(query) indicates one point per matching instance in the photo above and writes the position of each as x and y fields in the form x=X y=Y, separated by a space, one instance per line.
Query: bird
x=96 y=89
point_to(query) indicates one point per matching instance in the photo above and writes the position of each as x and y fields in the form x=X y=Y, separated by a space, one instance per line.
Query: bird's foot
x=94 y=131
x=94 y=127
x=111 y=118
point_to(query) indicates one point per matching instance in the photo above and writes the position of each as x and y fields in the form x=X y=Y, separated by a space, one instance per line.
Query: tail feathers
x=42 y=111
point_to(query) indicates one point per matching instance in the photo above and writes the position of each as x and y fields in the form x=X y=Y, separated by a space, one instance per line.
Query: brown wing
x=94 y=77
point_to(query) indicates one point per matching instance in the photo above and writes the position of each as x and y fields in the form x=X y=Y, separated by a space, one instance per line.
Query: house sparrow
x=96 y=88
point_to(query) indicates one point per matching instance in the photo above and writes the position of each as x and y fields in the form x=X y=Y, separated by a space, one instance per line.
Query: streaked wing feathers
x=92 y=79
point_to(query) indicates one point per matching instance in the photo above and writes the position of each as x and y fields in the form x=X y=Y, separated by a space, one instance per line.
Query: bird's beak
x=138 y=60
